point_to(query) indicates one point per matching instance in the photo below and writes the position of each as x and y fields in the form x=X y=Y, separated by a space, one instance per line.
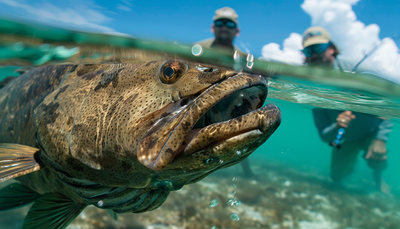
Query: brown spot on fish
x=70 y=120
x=91 y=75
x=109 y=77
x=61 y=91
x=6 y=80
x=73 y=68
x=85 y=68
x=51 y=115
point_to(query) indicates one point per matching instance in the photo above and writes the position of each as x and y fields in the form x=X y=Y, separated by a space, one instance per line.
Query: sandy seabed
x=277 y=197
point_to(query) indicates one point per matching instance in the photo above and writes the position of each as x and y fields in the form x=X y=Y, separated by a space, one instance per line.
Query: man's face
x=225 y=31
x=325 y=58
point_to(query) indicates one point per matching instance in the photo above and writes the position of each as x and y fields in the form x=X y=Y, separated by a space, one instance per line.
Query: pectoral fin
x=52 y=210
x=113 y=214
x=17 y=160
x=16 y=195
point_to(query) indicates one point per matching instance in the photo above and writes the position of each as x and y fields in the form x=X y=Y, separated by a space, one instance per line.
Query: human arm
x=378 y=150
x=328 y=129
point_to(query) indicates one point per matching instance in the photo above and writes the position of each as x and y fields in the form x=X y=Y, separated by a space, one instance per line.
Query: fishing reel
x=337 y=143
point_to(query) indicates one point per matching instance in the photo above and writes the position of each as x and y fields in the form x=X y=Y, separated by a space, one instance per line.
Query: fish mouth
x=222 y=112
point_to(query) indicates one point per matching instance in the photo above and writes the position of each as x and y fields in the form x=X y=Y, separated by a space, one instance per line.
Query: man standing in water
x=362 y=131
x=225 y=29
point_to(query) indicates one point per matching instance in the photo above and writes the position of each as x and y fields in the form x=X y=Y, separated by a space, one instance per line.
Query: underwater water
x=291 y=186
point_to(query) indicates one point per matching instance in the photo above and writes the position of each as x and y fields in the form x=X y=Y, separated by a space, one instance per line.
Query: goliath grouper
x=123 y=136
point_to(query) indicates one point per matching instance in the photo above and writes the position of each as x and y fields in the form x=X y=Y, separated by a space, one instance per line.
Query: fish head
x=216 y=125
x=161 y=124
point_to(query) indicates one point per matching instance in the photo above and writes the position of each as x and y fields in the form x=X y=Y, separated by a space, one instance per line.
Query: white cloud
x=78 y=16
x=127 y=2
x=351 y=36
x=291 y=52
x=123 y=7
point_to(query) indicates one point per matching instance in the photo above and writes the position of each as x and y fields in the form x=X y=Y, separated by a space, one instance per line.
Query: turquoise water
x=297 y=143
x=291 y=187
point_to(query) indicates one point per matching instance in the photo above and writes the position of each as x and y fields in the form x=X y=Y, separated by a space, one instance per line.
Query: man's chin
x=225 y=40
x=318 y=63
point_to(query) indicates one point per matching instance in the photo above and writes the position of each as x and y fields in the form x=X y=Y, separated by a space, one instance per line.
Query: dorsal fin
x=17 y=160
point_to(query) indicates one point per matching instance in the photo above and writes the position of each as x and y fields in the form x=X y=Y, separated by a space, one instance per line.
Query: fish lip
x=266 y=118
x=155 y=159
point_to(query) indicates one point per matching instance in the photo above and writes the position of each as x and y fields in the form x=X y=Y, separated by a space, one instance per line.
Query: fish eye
x=210 y=160
x=169 y=72
x=172 y=71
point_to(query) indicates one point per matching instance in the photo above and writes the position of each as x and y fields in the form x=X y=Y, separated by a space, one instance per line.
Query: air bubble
x=235 y=55
x=197 y=50
x=213 y=203
x=234 y=217
x=100 y=203
x=238 y=152
x=234 y=178
x=250 y=58
x=231 y=201
x=250 y=65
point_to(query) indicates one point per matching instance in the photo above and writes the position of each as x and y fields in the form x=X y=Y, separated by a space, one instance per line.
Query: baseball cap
x=315 y=35
x=226 y=12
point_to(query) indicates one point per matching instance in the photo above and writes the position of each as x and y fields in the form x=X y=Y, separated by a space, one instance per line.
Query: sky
x=268 y=28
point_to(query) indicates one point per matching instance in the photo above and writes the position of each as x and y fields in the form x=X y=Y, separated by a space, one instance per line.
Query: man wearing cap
x=225 y=29
x=362 y=132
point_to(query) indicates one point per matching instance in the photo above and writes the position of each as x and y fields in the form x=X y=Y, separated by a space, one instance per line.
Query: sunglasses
x=317 y=49
x=228 y=24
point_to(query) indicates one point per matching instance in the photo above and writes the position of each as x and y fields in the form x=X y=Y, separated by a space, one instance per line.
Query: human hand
x=344 y=119
x=377 y=150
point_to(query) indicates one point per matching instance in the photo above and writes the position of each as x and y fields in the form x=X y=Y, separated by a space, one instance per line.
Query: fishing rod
x=366 y=55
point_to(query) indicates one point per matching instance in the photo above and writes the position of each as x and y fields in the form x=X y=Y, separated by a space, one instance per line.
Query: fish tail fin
x=52 y=210
x=17 y=160
x=16 y=195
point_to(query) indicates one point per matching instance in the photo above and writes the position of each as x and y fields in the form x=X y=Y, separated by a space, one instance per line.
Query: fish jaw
x=260 y=124
x=206 y=156
x=157 y=150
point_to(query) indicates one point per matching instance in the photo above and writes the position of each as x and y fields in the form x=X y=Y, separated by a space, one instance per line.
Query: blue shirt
x=359 y=128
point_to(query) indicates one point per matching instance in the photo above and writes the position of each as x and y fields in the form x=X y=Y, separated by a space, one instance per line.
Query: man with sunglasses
x=225 y=29
x=362 y=132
